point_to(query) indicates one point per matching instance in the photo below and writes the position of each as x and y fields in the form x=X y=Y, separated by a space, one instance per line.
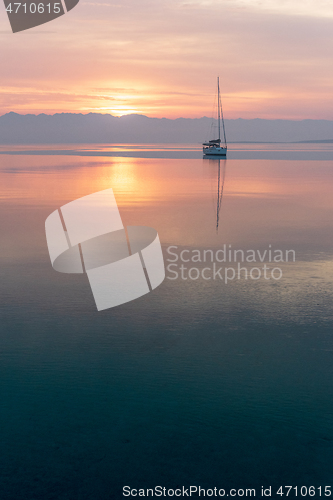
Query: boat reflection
x=221 y=164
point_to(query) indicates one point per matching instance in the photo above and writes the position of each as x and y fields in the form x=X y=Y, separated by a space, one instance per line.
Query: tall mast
x=218 y=106
x=221 y=114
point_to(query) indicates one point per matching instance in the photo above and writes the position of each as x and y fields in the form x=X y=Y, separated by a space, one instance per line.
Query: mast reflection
x=221 y=164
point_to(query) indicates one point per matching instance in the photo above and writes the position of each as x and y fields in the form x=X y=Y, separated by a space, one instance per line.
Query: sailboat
x=214 y=147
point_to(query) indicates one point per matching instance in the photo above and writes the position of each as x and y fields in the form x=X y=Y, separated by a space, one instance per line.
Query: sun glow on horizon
x=115 y=110
x=273 y=58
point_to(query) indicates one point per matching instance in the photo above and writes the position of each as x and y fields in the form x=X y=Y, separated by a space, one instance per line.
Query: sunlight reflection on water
x=228 y=385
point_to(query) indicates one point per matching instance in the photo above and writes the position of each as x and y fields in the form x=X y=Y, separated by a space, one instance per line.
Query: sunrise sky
x=161 y=58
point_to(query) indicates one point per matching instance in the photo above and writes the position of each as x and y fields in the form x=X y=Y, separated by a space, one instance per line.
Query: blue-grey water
x=201 y=382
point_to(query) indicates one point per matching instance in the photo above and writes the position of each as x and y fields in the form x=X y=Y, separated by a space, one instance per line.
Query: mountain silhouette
x=66 y=128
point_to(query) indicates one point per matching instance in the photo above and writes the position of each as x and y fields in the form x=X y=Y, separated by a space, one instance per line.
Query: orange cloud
x=161 y=58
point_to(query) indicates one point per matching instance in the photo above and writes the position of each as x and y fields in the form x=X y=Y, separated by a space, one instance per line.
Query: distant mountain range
x=62 y=128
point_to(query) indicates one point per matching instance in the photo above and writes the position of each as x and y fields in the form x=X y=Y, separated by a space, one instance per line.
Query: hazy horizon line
x=160 y=118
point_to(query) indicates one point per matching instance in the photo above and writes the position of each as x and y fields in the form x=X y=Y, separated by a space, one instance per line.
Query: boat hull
x=217 y=151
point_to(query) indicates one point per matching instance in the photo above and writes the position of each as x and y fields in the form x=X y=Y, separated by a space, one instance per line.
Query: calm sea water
x=200 y=382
